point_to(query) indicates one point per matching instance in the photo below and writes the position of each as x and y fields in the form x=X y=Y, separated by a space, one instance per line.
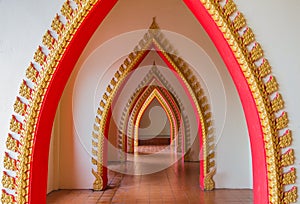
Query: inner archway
x=154 y=128
x=154 y=40
x=156 y=96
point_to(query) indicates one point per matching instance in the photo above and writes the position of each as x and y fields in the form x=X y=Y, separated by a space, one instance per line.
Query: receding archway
x=154 y=128
x=173 y=120
x=154 y=39
x=154 y=77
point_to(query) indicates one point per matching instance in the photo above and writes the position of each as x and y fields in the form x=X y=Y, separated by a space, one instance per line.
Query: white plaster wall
x=154 y=120
x=275 y=24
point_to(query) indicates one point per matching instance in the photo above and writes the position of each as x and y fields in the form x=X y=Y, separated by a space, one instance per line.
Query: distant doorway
x=154 y=128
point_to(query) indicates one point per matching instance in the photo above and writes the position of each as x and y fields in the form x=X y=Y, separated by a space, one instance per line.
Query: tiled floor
x=150 y=149
x=176 y=184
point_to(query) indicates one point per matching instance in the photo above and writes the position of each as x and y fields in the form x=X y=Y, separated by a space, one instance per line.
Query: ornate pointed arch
x=168 y=108
x=145 y=98
x=25 y=175
x=153 y=73
x=154 y=40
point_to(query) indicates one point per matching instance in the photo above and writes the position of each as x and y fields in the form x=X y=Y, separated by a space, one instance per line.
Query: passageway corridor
x=177 y=184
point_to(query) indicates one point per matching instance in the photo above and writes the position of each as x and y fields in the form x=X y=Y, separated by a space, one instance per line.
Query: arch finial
x=154 y=25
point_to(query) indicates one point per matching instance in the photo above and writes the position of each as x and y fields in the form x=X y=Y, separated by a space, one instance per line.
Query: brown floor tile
x=177 y=184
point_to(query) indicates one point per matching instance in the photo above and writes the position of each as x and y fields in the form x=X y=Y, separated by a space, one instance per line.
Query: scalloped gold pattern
x=25 y=90
x=277 y=103
x=271 y=85
x=98 y=183
x=67 y=10
x=208 y=180
x=8 y=181
x=239 y=21
x=15 y=125
x=290 y=196
x=256 y=52
x=288 y=158
x=78 y=2
x=32 y=73
x=7 y=198
x=265 y=68
x=35 y=96
x=248 y=37
x=12 y=144
x=10 y=163
x=57 y=25
x=282 y=121
x=229 y=8
x=286 y=139
x=289 y=177
x=40 y=56
x=19 y=106
x=253 y=75
x=48 y=39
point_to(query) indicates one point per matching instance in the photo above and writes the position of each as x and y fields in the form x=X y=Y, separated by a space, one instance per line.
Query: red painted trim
x=199 y=127
x=40 y=151
x=259 y=168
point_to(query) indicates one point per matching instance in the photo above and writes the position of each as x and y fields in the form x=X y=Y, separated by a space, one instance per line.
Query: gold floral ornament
x=67 y=10
x=15 y=125
x=9 y=163
x=8 y=181
x=48 y=39
x=7 y=198
x=20 y=106
x=25 y=91
x=12 y=144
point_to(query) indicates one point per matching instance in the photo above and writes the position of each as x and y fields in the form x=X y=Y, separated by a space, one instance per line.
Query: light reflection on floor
x=178 y=183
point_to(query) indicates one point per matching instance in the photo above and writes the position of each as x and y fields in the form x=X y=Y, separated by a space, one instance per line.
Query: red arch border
x=260 y=174
x=38 y=178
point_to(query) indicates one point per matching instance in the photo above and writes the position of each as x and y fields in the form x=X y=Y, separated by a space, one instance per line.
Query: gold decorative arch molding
x=172 y=111
x=154 y=77
x=171 y=114
x=25 y=176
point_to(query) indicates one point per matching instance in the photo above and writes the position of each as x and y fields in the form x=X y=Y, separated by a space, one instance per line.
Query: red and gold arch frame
x=168 y=104
x=168 y=90
x=153 y=40
x=156 y=94
x=35 y=107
